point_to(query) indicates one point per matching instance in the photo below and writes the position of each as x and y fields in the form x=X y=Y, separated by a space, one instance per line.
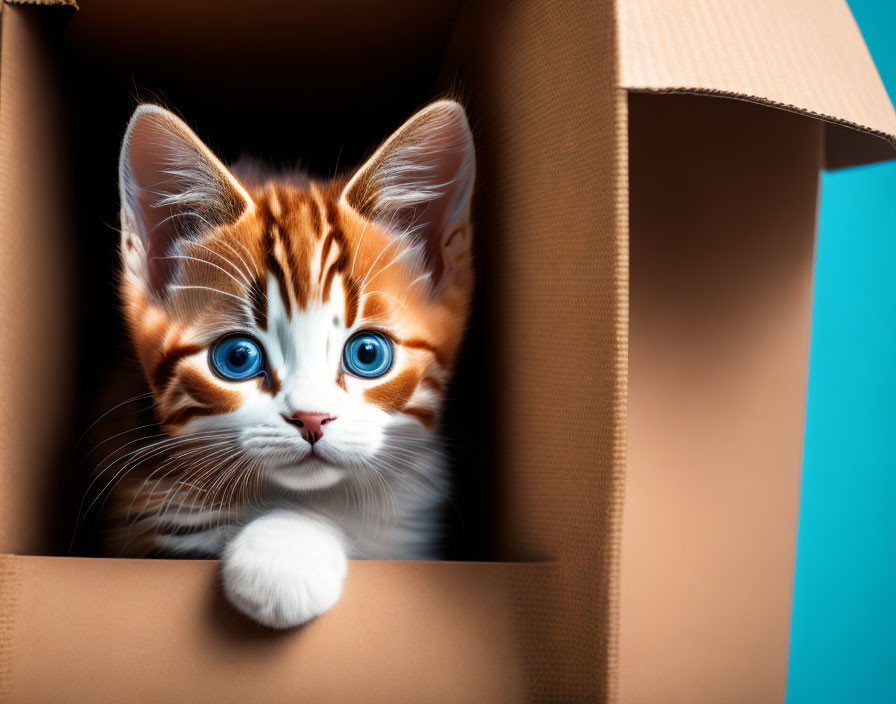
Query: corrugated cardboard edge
x=67 y=3
x=620 y=400
x=830 y=119
x=10 y=589
x=802 y=56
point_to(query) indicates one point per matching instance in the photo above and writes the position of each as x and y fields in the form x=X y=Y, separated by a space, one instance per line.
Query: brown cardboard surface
x=36 y=282
x=802 y=55
x=540 y=78
x=723 y=203
x=157 y=630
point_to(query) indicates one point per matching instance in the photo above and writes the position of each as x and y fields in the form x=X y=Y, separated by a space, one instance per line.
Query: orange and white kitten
x=297 y=337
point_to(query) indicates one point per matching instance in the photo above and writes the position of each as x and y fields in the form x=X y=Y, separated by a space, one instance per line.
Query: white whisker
x=236 y=268
x=207 y=288
x=205 y=261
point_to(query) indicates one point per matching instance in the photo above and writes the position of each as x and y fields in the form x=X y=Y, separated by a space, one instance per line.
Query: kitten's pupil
x=238 y=356
x=367 y=353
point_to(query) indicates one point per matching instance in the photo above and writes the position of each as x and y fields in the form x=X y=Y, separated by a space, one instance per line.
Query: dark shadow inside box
x=306 y=88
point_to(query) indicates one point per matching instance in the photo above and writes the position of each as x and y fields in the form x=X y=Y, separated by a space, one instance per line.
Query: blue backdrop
x=843 y=644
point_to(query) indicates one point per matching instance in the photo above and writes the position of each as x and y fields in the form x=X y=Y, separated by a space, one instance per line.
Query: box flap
x=806 y=56
x=722 y=242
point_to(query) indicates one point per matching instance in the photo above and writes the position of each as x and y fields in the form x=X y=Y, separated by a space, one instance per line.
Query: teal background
x=843 y=643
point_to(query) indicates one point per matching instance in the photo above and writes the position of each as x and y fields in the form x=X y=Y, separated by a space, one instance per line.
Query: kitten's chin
x=309 y=475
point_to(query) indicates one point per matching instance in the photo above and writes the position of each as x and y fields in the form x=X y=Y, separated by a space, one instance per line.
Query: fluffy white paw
x=283 y=569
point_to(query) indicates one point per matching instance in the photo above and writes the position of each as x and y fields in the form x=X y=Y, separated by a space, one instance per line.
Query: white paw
x=283 y=569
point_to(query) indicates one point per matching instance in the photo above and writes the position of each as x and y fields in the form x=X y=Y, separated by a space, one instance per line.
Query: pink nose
x=311 y=425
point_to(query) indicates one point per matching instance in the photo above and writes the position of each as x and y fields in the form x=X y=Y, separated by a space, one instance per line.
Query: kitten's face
x=284 y=325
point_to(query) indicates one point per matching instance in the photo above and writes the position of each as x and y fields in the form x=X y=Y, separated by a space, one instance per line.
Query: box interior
x=272 y=84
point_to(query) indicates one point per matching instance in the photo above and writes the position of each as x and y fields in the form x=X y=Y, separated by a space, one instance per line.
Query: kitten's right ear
x=172 y=188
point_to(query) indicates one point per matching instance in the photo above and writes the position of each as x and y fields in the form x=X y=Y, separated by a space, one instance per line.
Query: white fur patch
x=284 y=569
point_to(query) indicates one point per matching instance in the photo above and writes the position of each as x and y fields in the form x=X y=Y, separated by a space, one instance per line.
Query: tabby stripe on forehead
x=341 y=263
x=269 y=228
x=339 y=266
x=165 y=367
x=352 y=298
x=277 y=271
x=325 y=251
x=316 y=220
x=298 y=275
x=305 y=201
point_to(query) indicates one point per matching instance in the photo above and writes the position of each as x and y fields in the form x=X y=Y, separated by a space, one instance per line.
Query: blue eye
x=367 y=354
x=237 y=358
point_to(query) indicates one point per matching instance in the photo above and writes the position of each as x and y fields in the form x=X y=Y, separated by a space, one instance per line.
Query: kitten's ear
x=172 y=188
x=419 y=184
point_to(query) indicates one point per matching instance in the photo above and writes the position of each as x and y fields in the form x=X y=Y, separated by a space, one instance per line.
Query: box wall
x=36 y=285
x=90 y=630
x=541 y=76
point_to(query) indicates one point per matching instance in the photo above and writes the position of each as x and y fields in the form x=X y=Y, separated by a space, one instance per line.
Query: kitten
x=297 y=337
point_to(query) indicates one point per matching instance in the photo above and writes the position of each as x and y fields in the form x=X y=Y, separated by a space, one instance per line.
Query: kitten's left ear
x=418 y=185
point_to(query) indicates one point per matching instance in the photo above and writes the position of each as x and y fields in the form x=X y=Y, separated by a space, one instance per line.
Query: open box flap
x=806 y=56
x=722 y=249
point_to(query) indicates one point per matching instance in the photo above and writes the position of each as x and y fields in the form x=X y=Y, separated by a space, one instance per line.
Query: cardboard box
x=632 y=397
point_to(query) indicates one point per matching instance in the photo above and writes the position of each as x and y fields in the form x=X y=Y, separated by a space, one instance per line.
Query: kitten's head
x=301 y=327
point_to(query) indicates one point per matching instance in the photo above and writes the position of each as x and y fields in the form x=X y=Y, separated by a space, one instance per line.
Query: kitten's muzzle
x=310 y=425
